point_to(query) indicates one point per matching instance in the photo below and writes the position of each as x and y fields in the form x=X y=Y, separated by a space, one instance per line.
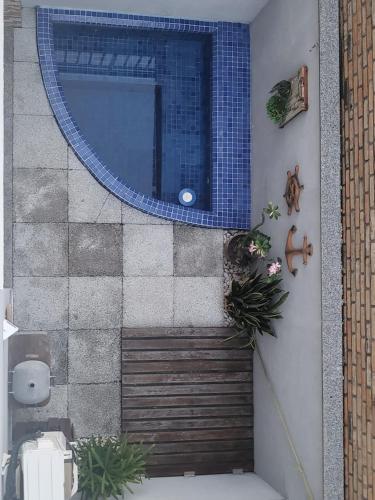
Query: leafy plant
x=282 y=88
x=276 y=108
x=272 y=211
x=245 y=249
x=106 y=466
x=253 y=304
x=259 y=244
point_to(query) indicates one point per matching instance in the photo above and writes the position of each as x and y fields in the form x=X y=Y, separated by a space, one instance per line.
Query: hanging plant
x=255 y=302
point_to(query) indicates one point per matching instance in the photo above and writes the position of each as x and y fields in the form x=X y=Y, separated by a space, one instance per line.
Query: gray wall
x=285 y=36
x=84 y=265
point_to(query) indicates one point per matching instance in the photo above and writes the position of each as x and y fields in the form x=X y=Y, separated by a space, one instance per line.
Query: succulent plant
x=272 y=211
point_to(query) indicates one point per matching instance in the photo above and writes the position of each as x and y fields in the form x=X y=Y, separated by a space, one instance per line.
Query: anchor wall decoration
x=293 y=190
x=290 y=252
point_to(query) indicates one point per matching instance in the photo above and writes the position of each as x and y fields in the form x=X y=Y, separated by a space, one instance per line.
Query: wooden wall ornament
x=293 y=190
x=290 y=251
x=298 y=100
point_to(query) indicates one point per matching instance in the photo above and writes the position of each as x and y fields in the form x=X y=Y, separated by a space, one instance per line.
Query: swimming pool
x=157 y=109
x=142 y=99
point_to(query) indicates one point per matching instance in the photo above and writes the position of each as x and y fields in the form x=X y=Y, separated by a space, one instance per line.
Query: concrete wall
x=84 y=265
x=242 y=11
x=285 y=35
x=3 y=350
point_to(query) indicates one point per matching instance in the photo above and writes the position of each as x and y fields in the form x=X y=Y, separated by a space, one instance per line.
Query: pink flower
x=274 y=268
x=252 y=248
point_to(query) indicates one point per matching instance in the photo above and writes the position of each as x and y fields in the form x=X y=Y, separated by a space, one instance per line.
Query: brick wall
x=358 y=201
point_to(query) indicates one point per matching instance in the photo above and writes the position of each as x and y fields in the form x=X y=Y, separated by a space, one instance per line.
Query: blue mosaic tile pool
x=203 y=72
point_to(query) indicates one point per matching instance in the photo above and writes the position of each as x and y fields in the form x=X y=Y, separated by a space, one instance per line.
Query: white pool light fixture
x=187 y=197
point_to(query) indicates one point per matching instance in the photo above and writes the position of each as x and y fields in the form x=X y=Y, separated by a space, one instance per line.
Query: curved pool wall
x=229 y=151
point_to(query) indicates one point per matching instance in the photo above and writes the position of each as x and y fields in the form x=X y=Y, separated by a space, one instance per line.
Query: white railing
x=5 y=300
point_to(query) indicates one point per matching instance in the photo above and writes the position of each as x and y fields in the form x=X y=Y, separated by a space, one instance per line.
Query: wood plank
x=186 y=366
x=215 y=411
x=178 y=378
x=193 y=446
x=185 y=424
x=192 y=435
x=232 y=457
x=219 y=332
x=184 y=344
x=150 y=390
x=190 y=400
x=218 y=354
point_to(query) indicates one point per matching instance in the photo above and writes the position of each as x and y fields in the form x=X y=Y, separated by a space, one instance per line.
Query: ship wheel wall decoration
x=293 y=190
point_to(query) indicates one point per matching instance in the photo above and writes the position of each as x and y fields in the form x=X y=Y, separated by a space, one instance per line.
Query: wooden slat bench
x=189 y=393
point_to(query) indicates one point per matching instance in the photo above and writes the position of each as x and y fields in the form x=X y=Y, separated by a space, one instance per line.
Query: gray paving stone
x=40 y=195
x=40 y=250
x=25 y=48
x=28 y=17
x=94 y=356
x=41 y=303
x=73 y=162
x=148 y=250
x=57 y=407
x=30 y=97
x=58 y=343
x=199 y=302
x=94 y=409
x=89 y=201
x=131 y=215
x=38 y=143
x=95 y=303
x=148 y=301
x=198 y=251
x=59 y=351
x=95 y=249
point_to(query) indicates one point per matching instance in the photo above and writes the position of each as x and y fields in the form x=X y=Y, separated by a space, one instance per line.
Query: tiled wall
x=84 y=264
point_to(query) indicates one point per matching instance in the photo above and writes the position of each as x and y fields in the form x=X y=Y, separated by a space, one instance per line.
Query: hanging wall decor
x=290 y=251
x=293 y=190
x=289 y=98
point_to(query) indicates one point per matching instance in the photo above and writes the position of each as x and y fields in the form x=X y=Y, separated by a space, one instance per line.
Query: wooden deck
x=189 y=393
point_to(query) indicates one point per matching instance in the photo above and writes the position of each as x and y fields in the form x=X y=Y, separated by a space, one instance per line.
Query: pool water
x=142 y=100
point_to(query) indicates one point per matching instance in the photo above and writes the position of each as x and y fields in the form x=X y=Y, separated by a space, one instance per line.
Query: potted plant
x=107 y=465
x=246 y=248
x=254 y=303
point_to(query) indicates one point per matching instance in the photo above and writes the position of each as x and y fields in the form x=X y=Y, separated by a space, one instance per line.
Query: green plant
x=253 y=304
x=272 y=211
x=107 y=464
x=276 y=108
x=258 y=244
x=282 y=88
